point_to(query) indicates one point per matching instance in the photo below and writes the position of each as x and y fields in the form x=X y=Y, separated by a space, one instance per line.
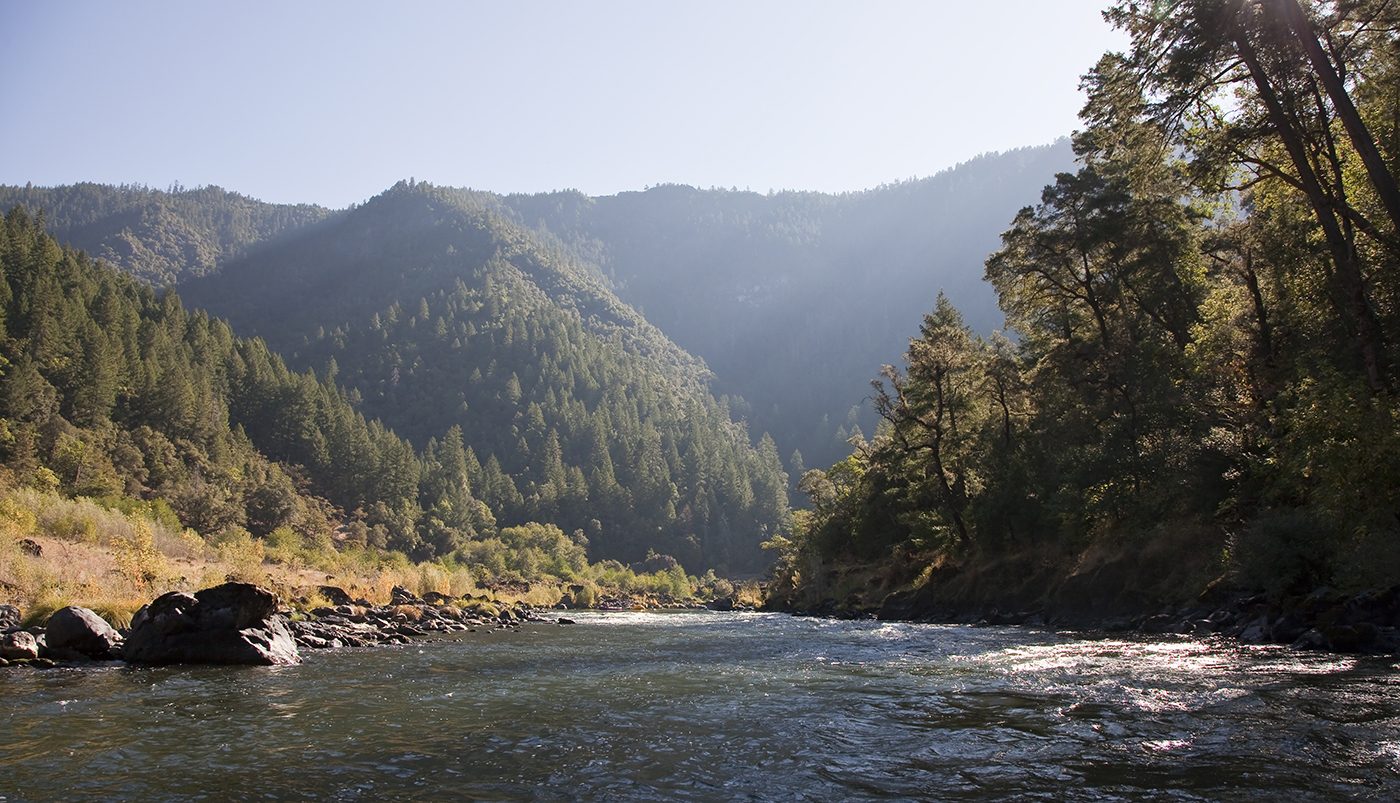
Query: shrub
x=242 y=553
x=1284 y=552
x=137 y=557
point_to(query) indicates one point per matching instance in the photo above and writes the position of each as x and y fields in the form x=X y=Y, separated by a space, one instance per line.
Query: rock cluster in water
x=241 y=623
x=357 y=623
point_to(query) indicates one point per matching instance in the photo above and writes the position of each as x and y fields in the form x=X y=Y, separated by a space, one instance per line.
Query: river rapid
x=700 y=705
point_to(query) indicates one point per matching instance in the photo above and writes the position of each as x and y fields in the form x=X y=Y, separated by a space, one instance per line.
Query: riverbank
x=1168 y=586
x=240 y=623
x=113 y=556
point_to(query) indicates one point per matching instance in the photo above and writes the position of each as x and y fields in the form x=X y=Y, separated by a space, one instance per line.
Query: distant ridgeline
x=794 y=299
x=111 y=389
x=435 y=311
x=161 y=237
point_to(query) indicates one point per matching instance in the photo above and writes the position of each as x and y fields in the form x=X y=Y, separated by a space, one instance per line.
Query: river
x=665 y=706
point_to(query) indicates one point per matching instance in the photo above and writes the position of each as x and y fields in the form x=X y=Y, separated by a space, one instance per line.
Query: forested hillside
x=435 y=311
x=1205 y=372
x=161 y=237
x=794 y=298
x=112 y=390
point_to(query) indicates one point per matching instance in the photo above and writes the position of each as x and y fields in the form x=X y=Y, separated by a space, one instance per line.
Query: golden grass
x=113 y=563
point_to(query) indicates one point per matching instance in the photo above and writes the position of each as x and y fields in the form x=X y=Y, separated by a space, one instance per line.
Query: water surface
x=712 y=706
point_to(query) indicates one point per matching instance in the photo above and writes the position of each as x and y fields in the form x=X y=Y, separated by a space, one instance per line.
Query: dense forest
x=159 y=236
x=436 y=312
x=793 y=298
x=1202 y=331
x=112 y=390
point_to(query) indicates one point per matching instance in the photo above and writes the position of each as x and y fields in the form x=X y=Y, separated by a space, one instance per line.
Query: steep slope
x=793 y=299
x=796 y=299
x=437 y=311
x=112 y=390
x=160 y=237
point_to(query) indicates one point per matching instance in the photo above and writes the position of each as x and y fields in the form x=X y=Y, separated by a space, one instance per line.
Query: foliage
x=1204 y=317
x=533 y=389
x=159 y=236
x=789 y=296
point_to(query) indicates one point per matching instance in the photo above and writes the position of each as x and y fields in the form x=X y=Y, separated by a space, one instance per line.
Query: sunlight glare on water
x=700 y=705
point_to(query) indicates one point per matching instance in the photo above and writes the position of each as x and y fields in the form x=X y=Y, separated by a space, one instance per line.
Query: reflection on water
x=719 y=706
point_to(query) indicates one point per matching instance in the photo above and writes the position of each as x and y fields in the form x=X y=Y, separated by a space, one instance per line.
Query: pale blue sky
x=331 y=102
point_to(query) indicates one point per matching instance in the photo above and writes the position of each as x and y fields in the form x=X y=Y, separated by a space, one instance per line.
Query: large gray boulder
x=234 y=623
x=78 y=631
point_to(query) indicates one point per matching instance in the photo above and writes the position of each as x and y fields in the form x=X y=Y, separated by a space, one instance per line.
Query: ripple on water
x=640 y=705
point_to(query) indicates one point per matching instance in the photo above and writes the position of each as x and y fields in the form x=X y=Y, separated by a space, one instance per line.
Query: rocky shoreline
x=240 y=623
x=1324 y=619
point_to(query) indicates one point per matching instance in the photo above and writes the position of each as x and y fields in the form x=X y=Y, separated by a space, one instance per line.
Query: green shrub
x=1284 y=552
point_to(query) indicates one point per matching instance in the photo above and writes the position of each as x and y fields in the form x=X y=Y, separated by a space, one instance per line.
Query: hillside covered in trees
x=436 y=312
x=792 y=299
x=159 y=236
x=1202 y=382
x=112 y=390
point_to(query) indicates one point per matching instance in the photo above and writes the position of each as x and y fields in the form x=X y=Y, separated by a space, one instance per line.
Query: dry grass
x=113 y=563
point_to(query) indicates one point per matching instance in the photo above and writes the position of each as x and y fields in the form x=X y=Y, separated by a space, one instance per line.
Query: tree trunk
x=1357 y=131
x=1356 y=310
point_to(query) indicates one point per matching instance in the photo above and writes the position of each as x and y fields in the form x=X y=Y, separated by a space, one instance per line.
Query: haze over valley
x=700 y=400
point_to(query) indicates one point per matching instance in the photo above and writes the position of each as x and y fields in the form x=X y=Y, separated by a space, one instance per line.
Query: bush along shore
x=242 y=623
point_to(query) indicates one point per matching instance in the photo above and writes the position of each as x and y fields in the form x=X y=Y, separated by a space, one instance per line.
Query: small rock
x=9 y=617
x=402 y=596
x=1253 y=634
x=1350 y=638
x=564 y=621
x=19 y=646
x=31 y=547
x=1311 y=640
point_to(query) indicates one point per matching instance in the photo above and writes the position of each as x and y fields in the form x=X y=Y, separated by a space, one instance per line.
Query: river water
x=667 y=706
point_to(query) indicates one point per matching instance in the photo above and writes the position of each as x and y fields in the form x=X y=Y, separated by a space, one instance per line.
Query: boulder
x=336 y=595
x=402 y=596
x=1254 y=633
x=1310 y=640
x=234 y=623
x=435 y=598
x=78 y=630
x=1350 y=638
x=20 y=645
x=9 y=617
x=721 y=604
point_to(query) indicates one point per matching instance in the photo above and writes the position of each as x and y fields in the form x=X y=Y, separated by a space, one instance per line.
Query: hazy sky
x=331 y=102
